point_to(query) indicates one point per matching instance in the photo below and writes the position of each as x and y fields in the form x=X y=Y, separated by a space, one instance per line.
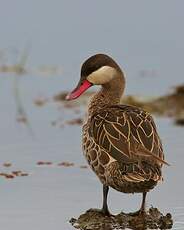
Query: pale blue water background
x=140 y=35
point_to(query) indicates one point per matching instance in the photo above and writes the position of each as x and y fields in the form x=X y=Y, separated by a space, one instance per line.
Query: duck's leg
x=141 y=211
x=105 y=209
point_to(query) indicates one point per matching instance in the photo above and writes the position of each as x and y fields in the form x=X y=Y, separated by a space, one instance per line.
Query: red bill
x=79 y=90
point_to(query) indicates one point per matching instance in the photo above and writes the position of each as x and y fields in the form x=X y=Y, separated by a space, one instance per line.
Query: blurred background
x=44 y=178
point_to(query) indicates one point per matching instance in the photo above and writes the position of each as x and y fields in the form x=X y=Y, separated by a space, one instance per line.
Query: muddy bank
x=94 y=220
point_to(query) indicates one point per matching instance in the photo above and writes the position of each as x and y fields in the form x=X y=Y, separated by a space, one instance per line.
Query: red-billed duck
x=120 y=142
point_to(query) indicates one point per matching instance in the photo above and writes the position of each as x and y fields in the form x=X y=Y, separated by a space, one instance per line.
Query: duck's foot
x=104 y=212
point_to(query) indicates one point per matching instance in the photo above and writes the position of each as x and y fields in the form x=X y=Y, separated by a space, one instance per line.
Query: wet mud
x=94 y=220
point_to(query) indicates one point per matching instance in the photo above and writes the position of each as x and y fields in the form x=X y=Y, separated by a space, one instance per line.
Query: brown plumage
x=120 y=142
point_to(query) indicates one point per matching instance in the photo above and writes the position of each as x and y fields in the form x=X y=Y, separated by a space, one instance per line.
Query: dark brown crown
x=95 y=62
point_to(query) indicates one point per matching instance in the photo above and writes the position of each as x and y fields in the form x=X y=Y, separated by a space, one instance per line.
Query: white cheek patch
x=102 y=75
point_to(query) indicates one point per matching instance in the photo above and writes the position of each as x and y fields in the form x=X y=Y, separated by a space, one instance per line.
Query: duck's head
x=99 y=69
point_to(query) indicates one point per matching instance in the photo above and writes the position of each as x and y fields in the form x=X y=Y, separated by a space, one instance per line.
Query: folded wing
x=129 y=135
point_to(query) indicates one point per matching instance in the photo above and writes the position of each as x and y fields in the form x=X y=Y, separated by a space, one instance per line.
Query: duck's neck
x=109 y=94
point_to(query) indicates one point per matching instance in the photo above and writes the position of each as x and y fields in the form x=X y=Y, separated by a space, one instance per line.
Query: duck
x=120 y=142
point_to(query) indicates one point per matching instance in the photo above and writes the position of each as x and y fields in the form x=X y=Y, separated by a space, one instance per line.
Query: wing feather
x=128 y=134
